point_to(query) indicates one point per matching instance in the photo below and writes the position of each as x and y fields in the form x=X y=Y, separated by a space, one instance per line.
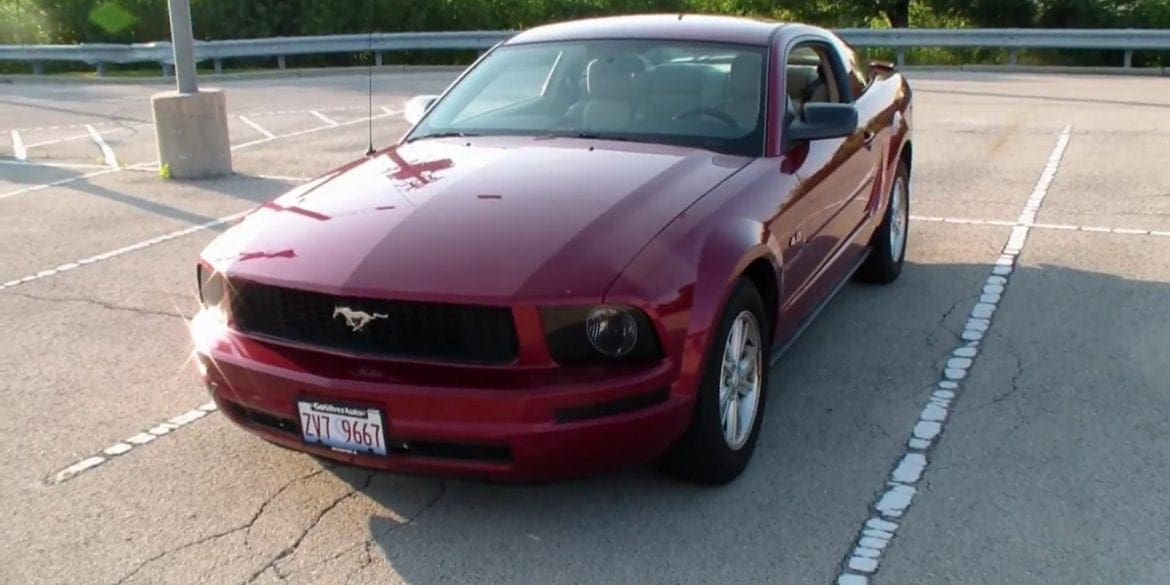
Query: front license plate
x=343 y=428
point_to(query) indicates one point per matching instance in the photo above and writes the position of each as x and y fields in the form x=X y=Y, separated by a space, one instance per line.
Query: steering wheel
x=712 y=112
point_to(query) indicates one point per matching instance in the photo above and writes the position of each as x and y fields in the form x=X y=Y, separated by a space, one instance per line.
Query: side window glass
x=811 y=75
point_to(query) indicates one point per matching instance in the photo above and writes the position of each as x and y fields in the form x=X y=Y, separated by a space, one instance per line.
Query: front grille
x=398 y=329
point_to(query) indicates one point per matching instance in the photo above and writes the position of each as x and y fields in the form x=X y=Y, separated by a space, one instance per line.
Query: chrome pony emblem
x=357 y=320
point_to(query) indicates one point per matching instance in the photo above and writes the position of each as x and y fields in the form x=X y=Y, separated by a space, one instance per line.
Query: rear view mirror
x=822 y=121
x=417 y=107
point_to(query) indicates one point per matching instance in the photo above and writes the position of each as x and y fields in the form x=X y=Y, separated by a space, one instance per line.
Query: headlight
x=213 y=294
x=602 y=334
x=612 y=331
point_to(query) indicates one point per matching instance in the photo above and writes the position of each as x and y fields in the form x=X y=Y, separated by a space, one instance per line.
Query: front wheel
x=730 y=402
x=884 y=263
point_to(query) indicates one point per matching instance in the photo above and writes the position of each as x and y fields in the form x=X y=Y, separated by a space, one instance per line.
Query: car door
x=835 y=179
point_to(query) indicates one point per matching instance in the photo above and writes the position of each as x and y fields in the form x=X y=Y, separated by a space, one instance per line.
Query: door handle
x=869 y=137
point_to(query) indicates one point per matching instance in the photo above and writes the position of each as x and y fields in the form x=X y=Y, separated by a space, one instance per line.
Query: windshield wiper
x=442 y=135
x=591 y=136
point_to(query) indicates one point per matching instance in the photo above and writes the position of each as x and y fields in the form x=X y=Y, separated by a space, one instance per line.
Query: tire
x=888 y=252
x=705 y=454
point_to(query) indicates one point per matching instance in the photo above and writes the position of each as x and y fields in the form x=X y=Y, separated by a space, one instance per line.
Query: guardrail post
x=101 y=69
x=218 y=66
x=38 y=68
x=1128 y=59
x=378 y=58
x=280 y=61
x=901 y=57
x=168 y=70
x=1014 y=57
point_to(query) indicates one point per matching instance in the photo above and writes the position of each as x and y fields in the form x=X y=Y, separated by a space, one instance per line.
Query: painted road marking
x=59 y=140
x=104 y=171
x=236 y=147
x=878 y=530
x=960 y=220
x=123 y=250
x=107 y=152
x=52 y=165
x=61 y=126
x=263 y=113
x=325 y=118
x=285 y=178
x=130 y=444
x=18 y=149
x=257 y=127
x=1045 y=226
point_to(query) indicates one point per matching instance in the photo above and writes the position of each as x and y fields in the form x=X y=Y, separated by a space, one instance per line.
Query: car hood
x=489 y=220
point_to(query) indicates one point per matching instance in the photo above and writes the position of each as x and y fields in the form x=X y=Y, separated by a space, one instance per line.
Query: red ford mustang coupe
x=583 y=256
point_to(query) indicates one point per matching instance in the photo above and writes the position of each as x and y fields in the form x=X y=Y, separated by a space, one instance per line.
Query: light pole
x=183 y=41
x=190 y=125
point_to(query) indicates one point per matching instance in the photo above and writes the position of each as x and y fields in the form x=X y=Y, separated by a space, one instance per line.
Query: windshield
x=695 y=94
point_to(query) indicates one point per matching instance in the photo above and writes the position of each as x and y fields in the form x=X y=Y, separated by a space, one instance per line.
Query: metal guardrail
x=100 y=55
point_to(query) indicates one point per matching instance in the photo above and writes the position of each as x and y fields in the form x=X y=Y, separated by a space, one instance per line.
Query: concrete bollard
x=192 y=133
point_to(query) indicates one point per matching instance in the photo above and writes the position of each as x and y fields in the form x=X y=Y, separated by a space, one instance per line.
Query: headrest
x=614 y=78
x=746 y=72
x=676 y=78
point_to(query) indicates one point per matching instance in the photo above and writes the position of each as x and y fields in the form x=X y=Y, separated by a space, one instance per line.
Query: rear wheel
x=884 y=263
x=730 y=402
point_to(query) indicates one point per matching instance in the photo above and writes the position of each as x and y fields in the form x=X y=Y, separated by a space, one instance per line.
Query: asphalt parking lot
x=1040 y=245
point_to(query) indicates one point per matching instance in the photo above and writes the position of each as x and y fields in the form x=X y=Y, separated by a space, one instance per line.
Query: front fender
x=683 y=283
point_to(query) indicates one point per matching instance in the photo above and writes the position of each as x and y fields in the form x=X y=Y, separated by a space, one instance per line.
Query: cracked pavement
x=1051 y=467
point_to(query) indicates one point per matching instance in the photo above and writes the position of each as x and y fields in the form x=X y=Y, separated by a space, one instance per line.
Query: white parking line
x=325 y=118
x=130 y=444
x=18 y=149
x=52 y=165
x=257 y=127
x=123 y=250
x=959 y=220
x=59 y=140
x=1045 y=226
x=874 y=537
x=236 y=147
x=104 y=171
x=107 y=152
x=285 y=178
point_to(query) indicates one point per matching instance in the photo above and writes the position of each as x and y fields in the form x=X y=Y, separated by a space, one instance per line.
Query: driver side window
x=812 y=76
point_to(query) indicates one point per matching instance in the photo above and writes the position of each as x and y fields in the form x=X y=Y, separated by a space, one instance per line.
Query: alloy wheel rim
x=898 y=220
x=739 y=380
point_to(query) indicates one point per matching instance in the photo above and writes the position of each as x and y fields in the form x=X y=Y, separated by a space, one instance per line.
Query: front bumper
x=464 y=425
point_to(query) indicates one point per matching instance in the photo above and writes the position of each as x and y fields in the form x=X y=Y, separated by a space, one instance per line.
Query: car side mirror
x=822 y=121
x=417 y=107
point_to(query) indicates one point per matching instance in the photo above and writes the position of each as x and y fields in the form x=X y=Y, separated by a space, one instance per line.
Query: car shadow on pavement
x=841 y=400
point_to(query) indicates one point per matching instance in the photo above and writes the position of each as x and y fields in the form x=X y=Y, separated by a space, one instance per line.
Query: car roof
x=683 y=27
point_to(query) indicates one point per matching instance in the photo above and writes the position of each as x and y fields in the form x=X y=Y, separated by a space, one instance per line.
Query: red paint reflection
x=298 y=210
x=254 y=255
x=417 y=175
